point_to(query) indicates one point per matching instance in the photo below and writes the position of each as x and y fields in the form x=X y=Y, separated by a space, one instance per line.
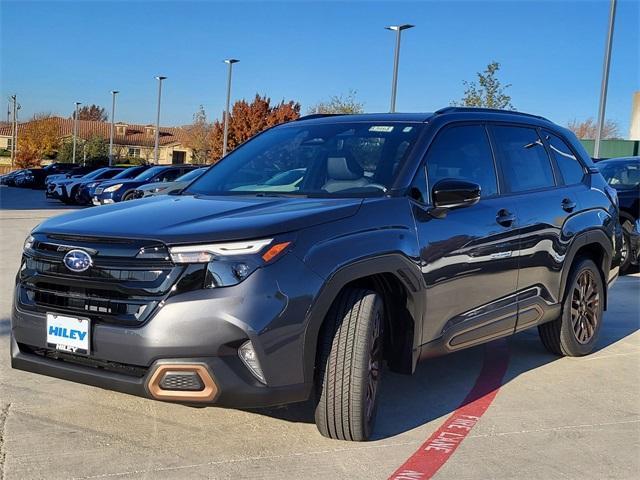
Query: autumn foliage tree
x=92 y=112
x=247 y=119
x=586 y=129
x=198 y=137
x=38 y=140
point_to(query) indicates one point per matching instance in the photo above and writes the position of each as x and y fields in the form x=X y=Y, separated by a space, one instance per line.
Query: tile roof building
x=129 y=140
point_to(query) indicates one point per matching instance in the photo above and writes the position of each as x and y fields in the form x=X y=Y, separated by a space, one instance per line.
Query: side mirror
x=451 y=193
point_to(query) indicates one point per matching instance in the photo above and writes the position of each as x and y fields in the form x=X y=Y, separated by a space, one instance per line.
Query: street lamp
x=113 y=119
x=396 y=59
x=75 y=130
x=605 y=79
x=230 y=62
x=155 y=150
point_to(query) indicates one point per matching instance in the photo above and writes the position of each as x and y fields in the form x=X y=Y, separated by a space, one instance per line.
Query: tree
x=587 y=129
x=95 y=148
x=92 y=112
x=339 y=104
x=487 y=92
x=198 y=137
x=248 y=119
x=38 y=140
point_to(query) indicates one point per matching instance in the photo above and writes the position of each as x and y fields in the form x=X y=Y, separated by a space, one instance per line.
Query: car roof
x=471 y=113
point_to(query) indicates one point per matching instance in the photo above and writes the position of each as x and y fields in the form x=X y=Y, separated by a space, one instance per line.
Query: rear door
x=536 y=188
x=468 y=258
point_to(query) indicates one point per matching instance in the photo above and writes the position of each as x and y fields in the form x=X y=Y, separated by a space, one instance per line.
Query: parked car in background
x=623 y=174
x=280 y=182
x=35 y=177
x=409 y=236
x=166 y=188
x=115 y=190
x=86 y=190
x=76 y=172
x=66 y=189
x=9 y=179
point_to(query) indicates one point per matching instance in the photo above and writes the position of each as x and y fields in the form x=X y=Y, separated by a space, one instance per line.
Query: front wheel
x=575 y=333
x=349 y=365
x=625 y=251
x=127 y=196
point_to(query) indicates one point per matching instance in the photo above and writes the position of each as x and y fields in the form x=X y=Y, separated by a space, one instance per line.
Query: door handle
x=505 y=218
x=568 y=205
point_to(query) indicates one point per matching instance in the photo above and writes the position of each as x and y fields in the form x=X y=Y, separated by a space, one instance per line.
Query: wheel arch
x=594 y=245
x=395 y=278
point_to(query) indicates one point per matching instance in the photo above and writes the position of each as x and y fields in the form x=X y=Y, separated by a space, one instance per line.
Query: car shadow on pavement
x=441 y=385
x=12 y=198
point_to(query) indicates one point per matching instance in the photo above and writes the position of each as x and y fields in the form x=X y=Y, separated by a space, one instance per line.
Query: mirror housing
x=450 y=193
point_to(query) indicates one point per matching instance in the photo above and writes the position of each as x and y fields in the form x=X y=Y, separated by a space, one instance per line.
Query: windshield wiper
x=279 y=194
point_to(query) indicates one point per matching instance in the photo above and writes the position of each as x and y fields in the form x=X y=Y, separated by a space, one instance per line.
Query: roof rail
x=318 y=115
x=487 y=110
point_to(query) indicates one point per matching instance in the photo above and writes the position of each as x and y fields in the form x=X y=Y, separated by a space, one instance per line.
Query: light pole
x=396 y=59
x=75 y=130
x=113 y=119
x=14 y=130
x=605 y=78
x=155 y=150
x=230 y=62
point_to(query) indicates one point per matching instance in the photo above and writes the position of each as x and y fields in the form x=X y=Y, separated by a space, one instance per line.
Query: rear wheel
x=349 y=365
x=575 y=333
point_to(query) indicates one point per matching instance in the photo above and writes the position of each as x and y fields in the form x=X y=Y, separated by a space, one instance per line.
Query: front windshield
x=95 y=173
x=192 y=175
x=130 y=172
x=147 y=174
x=324 y=159
x=620 y=174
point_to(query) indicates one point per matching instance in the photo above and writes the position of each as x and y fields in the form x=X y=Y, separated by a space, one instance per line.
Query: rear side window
x=463 y=153
x=567 y=162
x=169 y=175
x=523 y=159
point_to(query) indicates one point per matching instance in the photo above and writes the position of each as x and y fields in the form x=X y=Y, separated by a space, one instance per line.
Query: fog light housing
x=248 y=356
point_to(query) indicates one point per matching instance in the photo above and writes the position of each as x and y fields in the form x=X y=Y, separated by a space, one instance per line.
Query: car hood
x=151 y=186
x=196 y=219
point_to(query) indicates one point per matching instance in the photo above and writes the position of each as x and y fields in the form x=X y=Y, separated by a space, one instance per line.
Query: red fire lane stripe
x=440 y=446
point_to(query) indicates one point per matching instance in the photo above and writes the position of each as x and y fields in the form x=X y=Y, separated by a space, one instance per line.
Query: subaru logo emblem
x=77 y=260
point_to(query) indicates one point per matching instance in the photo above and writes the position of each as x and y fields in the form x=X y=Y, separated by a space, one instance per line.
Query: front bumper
x=203 y=327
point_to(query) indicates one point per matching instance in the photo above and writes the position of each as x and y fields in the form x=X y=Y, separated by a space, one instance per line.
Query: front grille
x=120 y=287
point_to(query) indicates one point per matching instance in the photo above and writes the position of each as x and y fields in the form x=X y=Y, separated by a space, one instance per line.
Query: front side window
x=569 y=166
x=318 y=159
x=523 y=159
x=463 y=153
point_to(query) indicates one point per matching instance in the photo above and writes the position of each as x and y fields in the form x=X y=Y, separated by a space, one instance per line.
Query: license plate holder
x=68 y=334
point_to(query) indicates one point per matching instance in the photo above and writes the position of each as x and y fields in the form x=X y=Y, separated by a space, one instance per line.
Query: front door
x=178 y=157
x=469 y=258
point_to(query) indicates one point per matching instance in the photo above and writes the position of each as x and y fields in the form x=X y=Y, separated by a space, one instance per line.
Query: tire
x=127 y=196
x=627 y=227
x=575 y=332
x=349 y=365
x=70 y=198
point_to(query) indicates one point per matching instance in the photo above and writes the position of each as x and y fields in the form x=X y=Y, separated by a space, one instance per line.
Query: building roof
x=136 y=135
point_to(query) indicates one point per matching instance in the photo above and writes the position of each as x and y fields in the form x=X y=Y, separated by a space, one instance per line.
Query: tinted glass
x=621 y=175
x=130 y=172
x=168 y=175
x=110 y=173
x=95 y=173
x=463 y=153
x=569 y=166
x=191 y=175
x=150 y=173
x=523 y=159
x=323 y=159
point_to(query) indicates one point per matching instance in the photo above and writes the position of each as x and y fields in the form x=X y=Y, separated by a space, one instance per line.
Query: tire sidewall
x=377 y=315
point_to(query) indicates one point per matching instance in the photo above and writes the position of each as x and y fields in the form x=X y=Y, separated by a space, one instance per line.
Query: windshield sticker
x=381 y=128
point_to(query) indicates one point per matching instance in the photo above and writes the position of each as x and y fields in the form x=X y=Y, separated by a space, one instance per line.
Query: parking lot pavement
x=551 y=418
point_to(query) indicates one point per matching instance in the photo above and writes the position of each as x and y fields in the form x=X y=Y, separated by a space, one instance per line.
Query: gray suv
x=401 y=237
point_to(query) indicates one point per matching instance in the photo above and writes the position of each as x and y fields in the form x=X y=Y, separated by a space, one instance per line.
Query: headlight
x=229 y=263
x=28 y=243
x=113 y=188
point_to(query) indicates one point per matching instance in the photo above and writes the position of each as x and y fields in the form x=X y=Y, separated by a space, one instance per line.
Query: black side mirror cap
x=452 y=193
